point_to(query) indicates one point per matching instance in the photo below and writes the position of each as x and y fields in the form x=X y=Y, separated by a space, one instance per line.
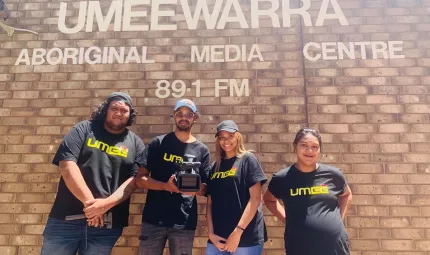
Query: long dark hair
x=99 y=114
x=304 y=131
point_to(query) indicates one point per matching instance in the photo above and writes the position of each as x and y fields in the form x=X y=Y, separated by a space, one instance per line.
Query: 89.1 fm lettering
x=178 y=88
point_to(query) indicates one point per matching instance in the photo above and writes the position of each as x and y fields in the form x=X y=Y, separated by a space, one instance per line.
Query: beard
x=184 y=125
x=115 y=127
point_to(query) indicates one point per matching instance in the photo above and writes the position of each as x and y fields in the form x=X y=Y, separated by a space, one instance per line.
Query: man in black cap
x=170 y=214
x=98 y=160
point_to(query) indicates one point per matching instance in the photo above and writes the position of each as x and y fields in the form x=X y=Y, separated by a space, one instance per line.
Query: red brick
x=417 y=158
x=413 y=137
x=392 y=200
x=380 y=99
x=395 y=148
x=30 y=250
x=365 y=244
x=363 y=222
x=368 y=168
x=423 y=245
x=401 y=168
x=363 y=128
x=390 y=108
x=405 y=211
x=24 y=240
x=372 y=211
x=387 y=157
x=394 y=128
x=400 y=189
x=354 y=138
x=366 y=188
x=374 y=233
x=397 y=245
x=414 y=118
x=364 y=148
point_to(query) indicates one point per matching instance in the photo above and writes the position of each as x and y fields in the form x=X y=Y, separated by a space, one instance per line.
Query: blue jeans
x=253 y=250
x=153 y=240
x=67 y=237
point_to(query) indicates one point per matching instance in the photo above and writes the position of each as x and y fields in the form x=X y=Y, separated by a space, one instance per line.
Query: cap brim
x=183 y=106
x=230 y=130
x=121 y=99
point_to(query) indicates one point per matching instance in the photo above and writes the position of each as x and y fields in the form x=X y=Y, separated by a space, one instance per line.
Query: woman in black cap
x=234 y=209
x=316 y=198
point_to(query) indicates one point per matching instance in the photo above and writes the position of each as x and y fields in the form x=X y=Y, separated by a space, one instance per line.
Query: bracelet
x=239 y=227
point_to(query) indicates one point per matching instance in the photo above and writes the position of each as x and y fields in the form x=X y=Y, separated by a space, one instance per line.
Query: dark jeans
x=67 y=237
x=153 y=240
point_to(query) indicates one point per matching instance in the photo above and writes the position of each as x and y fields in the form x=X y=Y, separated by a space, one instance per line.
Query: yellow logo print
x=315 y=190
x=222 y=175
x=173 y=158
x=111 y=150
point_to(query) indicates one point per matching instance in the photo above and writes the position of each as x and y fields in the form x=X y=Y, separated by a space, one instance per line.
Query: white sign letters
x=157 y=15
x=223 y=12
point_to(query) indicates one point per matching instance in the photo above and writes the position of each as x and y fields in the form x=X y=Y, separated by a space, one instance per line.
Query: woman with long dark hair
x=316 y=197
x=234 y=209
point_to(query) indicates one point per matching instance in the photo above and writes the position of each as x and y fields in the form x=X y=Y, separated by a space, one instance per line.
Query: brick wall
x=374 y=113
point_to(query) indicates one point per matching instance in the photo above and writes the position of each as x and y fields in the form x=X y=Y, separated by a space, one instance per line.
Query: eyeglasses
x=188 y=115
x=312 y=148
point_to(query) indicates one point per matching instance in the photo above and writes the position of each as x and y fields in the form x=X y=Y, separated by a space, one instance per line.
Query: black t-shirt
x=229 y=191
x=314 y=223
x=106 y=160
x=162 y=208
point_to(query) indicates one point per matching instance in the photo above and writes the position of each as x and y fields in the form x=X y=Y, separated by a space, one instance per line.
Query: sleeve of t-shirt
x=70 y=147
x=150 y=153
x=205 y=166
x=254 y=171
x=275 y=186
x=339 y=181
x=139 y=159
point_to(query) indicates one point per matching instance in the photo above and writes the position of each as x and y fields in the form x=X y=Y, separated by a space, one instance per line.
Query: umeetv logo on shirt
x=121 y=151
x=173 y=158
x=222 y=175
x=315 y=190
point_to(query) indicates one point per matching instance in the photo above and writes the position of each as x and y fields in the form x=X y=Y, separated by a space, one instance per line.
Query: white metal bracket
x=11 y=30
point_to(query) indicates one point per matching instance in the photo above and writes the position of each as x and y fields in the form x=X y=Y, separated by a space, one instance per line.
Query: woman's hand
x=233 y=240
x=218 y=241
x=96 y=221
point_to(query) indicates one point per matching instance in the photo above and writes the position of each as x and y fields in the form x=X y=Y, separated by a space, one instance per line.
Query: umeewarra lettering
x=215 y=16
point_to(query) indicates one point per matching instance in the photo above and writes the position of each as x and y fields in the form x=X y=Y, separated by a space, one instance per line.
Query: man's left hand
x=96 y=207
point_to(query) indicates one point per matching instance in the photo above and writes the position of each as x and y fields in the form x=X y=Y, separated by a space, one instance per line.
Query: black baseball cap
x=120 y=96
x=226 y=125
